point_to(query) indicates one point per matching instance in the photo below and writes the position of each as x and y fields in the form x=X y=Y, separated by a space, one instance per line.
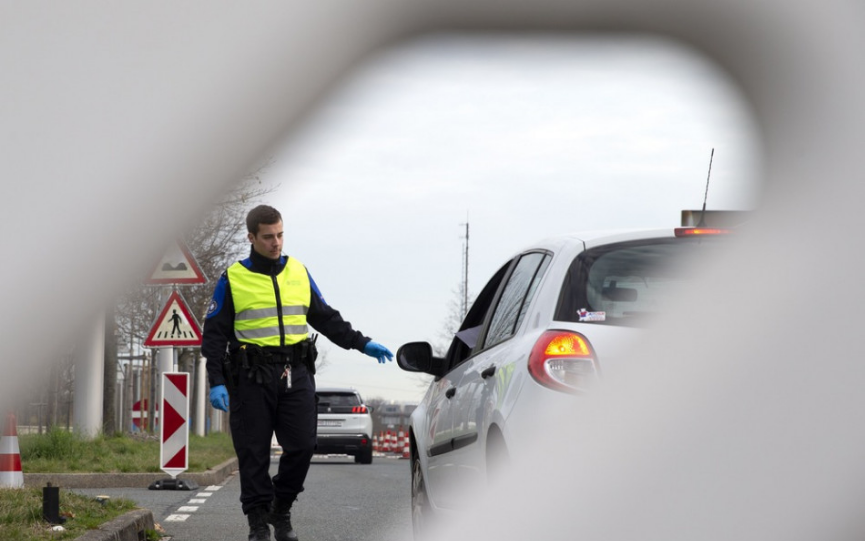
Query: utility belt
x=251 y=360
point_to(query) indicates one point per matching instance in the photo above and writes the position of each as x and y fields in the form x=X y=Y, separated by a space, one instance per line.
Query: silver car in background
x=344 y=424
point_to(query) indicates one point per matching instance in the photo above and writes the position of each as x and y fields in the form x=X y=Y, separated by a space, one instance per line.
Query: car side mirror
x=418 y=357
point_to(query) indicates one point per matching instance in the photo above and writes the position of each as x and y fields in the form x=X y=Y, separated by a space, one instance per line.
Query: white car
x=344 y=424
x=542 y=330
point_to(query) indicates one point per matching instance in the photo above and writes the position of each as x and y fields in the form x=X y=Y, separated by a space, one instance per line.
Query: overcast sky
x=524 y=138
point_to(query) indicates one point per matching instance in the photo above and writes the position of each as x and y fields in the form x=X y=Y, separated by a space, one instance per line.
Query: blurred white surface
x=743 y=423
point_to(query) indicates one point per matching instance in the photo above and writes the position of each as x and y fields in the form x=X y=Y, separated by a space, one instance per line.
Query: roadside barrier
x=406 y=447
x=11 y=475
x=392 y=442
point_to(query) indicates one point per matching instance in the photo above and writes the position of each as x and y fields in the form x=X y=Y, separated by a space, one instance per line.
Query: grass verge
x=21 y=514
x=60 y=451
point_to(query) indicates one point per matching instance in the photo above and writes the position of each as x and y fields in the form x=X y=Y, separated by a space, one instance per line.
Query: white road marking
x=183 y=510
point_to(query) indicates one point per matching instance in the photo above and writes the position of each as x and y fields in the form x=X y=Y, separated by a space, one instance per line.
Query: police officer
x=260 y=363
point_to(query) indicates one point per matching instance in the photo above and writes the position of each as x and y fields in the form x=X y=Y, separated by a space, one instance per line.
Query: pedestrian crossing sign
x=175 y=326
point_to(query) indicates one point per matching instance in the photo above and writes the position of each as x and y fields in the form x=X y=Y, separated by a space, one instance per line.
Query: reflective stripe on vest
x=256 y=319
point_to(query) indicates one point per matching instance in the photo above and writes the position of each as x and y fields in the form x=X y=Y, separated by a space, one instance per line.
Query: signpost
x=174 y=327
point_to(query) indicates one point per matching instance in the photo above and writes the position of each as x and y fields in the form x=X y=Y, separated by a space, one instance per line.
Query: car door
x=442 y=475
x=438 y=425
x=484 y=376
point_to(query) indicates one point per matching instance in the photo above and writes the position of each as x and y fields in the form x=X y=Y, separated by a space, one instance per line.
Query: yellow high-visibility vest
x=259 y=298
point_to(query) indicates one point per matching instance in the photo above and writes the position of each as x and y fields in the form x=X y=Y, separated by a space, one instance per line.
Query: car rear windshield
x=337 y=402
x=621 y=284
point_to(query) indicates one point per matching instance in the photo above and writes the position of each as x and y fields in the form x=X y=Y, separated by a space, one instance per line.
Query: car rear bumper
x=348 y=444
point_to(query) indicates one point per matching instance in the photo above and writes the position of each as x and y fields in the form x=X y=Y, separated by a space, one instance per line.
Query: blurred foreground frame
x=769 y=448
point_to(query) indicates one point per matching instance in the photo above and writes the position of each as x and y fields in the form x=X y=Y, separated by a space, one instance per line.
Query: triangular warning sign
x=177 y=266
x=175 y=326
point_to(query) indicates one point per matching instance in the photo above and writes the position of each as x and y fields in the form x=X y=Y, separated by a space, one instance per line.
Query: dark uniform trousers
x=257 y=411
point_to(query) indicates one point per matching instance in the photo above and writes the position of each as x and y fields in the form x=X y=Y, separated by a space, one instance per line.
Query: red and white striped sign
x=174 y=428
x=140 y=415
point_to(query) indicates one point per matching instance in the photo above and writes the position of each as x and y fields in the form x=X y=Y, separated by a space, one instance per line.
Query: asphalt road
x=343 y=501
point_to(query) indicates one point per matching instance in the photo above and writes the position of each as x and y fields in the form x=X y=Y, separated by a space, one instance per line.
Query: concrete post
x=89 y=382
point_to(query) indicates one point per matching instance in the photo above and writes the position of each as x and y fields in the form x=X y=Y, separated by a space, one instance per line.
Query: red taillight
x=564 y=361
x=358 y=409
x=697 y=231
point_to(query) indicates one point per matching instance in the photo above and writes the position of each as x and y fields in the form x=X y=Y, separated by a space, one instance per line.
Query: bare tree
x=453 y=320
x=109 y=419
x=321 y=361
x=220 y=239
x=217 y=241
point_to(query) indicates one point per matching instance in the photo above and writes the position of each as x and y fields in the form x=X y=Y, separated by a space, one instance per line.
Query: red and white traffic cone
x=406 y=447
x=375 y=446
x=11 y=475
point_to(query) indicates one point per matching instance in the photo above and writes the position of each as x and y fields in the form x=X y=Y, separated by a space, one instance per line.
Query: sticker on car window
x=591 y=316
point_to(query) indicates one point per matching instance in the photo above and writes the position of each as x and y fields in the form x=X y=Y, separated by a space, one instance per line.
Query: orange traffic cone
x=11 y=475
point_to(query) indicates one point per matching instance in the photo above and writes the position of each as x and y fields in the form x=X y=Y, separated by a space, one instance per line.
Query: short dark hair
x=262 y=214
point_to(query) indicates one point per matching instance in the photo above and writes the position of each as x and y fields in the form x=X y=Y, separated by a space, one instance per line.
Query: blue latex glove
x=219 y=397
x=374 y=349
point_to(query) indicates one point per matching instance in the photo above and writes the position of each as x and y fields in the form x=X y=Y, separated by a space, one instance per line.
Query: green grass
x=60 y=451
x=21 y=514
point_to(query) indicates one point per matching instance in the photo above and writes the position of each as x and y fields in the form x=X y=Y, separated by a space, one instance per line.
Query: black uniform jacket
x=218 y=334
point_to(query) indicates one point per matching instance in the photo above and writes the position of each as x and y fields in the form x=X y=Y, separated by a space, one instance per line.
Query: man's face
x=268 y=241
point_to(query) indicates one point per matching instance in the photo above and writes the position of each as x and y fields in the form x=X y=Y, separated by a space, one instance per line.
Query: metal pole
x=165 y=363
x=464 y=302
x=129 y=394
x=466 y=279
x=126 y=416
x=200 y=386
x=146 y=392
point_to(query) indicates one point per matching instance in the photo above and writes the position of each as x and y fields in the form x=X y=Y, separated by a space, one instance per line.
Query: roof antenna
x=706 y=196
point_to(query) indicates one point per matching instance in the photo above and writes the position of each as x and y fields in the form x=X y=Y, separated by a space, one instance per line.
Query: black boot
x=258 y=528
x=280 y=517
